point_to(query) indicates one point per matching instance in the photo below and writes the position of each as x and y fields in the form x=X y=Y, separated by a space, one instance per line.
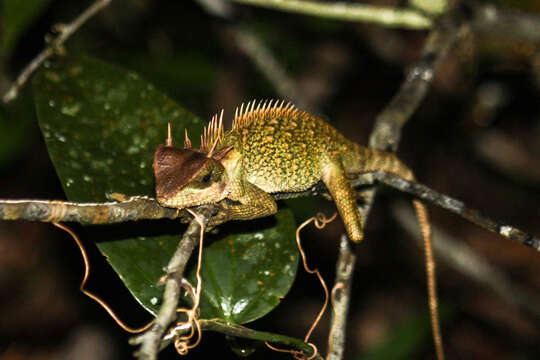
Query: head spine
x=212 y=134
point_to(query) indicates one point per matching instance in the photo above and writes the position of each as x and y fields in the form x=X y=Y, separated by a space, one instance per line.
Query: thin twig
x=460 y=208
x=387 y=129
x=65 y=32
x=341 y=294
x=256 y=50
x=461 y=257
x=150 y=341
x=380 y=15
x=252 y=46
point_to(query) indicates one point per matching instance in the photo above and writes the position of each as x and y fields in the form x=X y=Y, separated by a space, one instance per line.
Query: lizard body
x=275 y=148
x=271 y=148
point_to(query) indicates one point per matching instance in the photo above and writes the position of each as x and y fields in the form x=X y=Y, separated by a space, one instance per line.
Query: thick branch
x=150 y=341
x=380 y=15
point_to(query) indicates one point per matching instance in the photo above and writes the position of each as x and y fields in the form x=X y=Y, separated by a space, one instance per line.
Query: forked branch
x=150 y=341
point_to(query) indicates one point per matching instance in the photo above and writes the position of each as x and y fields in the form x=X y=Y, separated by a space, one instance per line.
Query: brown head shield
x=174 y=168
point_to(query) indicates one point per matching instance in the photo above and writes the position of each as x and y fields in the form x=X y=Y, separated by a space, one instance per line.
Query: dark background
x=475 y=137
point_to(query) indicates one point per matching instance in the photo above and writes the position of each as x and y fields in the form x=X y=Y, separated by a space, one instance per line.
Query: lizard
x=273 y=147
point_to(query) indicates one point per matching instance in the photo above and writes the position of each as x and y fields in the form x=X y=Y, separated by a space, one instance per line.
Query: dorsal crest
x=244 y=116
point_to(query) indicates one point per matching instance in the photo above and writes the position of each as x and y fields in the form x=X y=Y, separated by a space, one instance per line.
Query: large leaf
x=101 y=125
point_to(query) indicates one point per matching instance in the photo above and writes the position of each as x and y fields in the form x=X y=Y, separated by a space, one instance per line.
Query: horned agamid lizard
x=274 y=148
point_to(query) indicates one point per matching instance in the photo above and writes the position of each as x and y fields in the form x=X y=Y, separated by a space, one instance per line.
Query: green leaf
x=245 y=275
x=16 y=16
x=101 y=125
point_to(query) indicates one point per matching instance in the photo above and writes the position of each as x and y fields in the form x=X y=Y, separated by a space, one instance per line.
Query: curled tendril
x=184 y=343
x=320 y=221
x=297 y=354
x=90 y=294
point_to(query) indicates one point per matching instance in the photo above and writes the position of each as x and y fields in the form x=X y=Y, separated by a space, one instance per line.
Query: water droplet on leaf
x=71 y=110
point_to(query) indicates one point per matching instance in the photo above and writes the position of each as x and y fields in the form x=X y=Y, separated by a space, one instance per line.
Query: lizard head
x=188 y=177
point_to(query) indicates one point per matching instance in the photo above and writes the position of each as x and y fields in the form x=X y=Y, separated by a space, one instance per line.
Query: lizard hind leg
x=335 y=179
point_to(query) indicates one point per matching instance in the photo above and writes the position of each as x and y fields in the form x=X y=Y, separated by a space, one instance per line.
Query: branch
x=135 y=208
x=145 y=208
x=150 y=341
x=458 y=207
x=386 y=133
x=384 y=16
x=65 y=32
x=387 y=130
x=341 y=294
x=132 y=209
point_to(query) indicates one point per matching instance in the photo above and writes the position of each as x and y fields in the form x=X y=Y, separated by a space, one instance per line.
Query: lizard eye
x=206 y=179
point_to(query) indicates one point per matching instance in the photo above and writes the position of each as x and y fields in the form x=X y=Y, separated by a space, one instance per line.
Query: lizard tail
x=363 y=160
x=425 y=229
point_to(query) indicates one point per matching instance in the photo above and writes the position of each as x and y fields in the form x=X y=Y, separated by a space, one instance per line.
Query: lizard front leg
x=343 y=194
x=245 y=202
